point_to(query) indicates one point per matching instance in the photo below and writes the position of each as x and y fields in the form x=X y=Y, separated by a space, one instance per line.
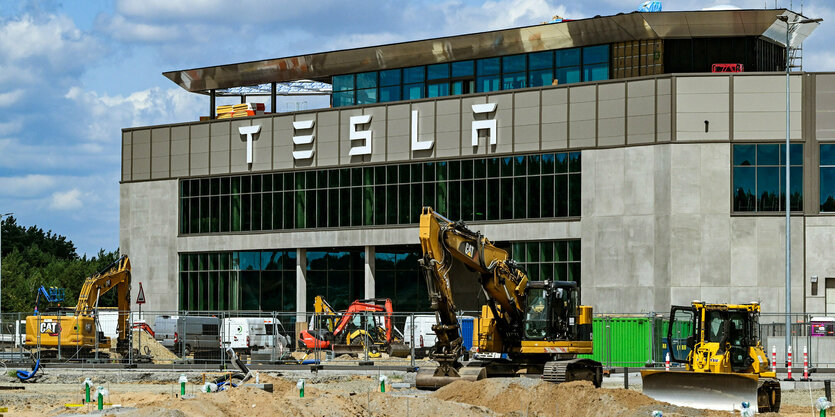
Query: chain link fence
x=201 y=338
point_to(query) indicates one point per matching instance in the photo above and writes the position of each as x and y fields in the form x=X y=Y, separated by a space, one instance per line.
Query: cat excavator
x=526 y=326
x=725 y=361
x=78 y=329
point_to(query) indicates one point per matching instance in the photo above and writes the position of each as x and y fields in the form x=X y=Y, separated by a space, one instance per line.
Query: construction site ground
x=343 y=393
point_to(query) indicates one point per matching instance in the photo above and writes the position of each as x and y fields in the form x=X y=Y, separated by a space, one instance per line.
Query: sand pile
x=518 y=397
x=152 y=347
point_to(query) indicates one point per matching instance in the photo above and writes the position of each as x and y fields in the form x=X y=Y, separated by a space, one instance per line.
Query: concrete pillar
x=301 y=284
x=370 y=270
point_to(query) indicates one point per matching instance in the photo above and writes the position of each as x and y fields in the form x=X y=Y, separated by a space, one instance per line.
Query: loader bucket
x=714 y=391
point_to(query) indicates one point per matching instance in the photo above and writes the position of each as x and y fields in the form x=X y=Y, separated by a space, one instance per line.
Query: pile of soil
x=580 y=398
x=155 y=349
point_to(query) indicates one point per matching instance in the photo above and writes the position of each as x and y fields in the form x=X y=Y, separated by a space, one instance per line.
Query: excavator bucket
x=714 y=391
x=434 y=378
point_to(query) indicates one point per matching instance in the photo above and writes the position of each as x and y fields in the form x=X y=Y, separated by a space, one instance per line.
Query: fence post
x=412 y=337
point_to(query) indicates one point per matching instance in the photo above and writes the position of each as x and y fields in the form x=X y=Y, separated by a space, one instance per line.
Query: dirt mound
x=580 y=398
x=152 y=347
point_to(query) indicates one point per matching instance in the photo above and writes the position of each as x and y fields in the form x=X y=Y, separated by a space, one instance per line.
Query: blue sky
x=74 y=73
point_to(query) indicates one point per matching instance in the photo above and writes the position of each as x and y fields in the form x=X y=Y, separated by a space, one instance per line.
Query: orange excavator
x=352 y=331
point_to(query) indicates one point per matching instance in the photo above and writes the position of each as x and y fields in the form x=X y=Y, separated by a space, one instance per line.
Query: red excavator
x=351 y=331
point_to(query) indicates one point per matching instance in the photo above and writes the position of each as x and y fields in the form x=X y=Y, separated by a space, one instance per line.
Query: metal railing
x=198 y=338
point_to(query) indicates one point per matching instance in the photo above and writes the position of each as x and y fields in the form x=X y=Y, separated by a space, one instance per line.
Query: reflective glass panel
x=389 y=77
x=343 y=82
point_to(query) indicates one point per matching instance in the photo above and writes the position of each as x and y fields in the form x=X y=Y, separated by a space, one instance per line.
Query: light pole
x=1 y=261
x=790 y=27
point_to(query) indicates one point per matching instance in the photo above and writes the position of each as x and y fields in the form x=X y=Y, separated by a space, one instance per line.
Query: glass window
x=367 y=79
x=514 y=63
x=389 y=93
x=487 y=66
x=596 y=54
x=414 y=74
x=596 y=72
x=827 y=154
x=487 y=84
x=462 y=69
x=437 y=71
x=389 y=77
x=541 y=60
x=745 y=154
x=413 y=91
x=437 y=90
x=367 y=96
x=768 y=154
x=541 y=78
x=567 y=57
x=343 y=82
x=759 y=178
x=568 y=75
x=343 y=98
x=512 y=81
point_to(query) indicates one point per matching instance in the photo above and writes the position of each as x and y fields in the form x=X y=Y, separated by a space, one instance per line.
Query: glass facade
x=759 y=177
x=827 y=178
x=533 y=69
x=338 y=275
x=245 y=280
x=397 y=276
x=557 y=260
x=539 y=186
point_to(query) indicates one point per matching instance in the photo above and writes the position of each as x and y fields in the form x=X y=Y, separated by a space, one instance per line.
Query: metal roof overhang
x=592 y=31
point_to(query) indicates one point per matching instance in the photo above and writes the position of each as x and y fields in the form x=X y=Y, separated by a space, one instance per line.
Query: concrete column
x=369 y=271
x=301 y=284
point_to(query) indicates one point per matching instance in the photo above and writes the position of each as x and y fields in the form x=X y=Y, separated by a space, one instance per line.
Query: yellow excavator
x=726 y=364
x=78 y=331
x=526 y=326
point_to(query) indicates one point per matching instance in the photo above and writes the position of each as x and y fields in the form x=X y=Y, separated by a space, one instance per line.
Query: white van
x=248 y=334
x=425 y=337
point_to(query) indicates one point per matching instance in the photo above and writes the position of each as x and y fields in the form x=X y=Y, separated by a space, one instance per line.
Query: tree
x=34 y=258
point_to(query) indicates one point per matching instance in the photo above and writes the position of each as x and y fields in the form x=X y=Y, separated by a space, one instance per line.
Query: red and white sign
x=727 y=68
x=140 y=299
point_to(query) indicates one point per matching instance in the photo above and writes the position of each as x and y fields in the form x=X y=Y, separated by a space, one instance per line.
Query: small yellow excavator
x=526 y=327
x=78 y=330
x=726 y=364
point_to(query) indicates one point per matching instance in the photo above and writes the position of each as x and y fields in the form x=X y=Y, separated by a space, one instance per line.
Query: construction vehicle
x=78 y=330
x=51 y=295
x=526 y=327
x=352 y=332
x=724 y=360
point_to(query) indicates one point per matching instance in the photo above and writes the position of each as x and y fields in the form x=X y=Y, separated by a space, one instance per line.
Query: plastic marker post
x=667 y=362
x=100 y=393
x=383 y=379
x=805 y=364
x=822 y=404
x=300 y=387
x=182 y=382
x=87 y=385
x=774 y=360
x=789 y=365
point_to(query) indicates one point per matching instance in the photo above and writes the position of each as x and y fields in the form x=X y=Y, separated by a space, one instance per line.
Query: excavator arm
x=445 y=242
x=115 y=275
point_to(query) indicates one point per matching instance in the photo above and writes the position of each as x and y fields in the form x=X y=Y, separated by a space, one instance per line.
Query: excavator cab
x=550 y=310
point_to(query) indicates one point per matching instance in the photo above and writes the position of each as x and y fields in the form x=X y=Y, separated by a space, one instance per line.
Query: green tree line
x=32 y=257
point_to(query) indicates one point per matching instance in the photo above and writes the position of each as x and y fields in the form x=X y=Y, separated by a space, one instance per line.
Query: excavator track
x=573 y=370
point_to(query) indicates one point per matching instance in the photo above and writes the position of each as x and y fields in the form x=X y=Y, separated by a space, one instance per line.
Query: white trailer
x=249 y=334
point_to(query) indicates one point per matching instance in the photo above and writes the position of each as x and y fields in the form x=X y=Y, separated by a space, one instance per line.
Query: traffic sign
x=140 y=299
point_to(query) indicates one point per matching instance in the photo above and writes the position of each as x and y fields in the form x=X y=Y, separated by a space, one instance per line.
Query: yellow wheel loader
x=724 y=360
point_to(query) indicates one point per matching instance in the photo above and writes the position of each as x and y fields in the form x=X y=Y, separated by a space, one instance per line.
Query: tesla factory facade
x=601 y=151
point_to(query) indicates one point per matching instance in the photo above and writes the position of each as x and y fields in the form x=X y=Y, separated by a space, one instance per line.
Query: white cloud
x=106 y=115
x=11 y=97
x=68 y=200
x=25 y=186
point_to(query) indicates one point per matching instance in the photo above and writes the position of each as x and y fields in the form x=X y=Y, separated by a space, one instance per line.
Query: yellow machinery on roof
x=526 y=326
x=725 y=361
x=79 y=330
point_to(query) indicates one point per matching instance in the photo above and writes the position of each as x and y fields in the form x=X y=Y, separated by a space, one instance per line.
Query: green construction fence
x=629 y=341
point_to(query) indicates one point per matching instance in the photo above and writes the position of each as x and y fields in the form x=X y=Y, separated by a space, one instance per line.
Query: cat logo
x=50 y=327
x=468 y=249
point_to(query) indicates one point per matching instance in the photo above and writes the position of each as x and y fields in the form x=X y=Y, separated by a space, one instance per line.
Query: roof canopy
x=592 y=31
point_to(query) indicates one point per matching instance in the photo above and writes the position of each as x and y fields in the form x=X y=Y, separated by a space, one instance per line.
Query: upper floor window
x=510 y=72
x=759 y=177
x=827 y=178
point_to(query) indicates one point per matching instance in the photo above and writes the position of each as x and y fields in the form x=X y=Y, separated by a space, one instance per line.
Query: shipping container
x=622 y=341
